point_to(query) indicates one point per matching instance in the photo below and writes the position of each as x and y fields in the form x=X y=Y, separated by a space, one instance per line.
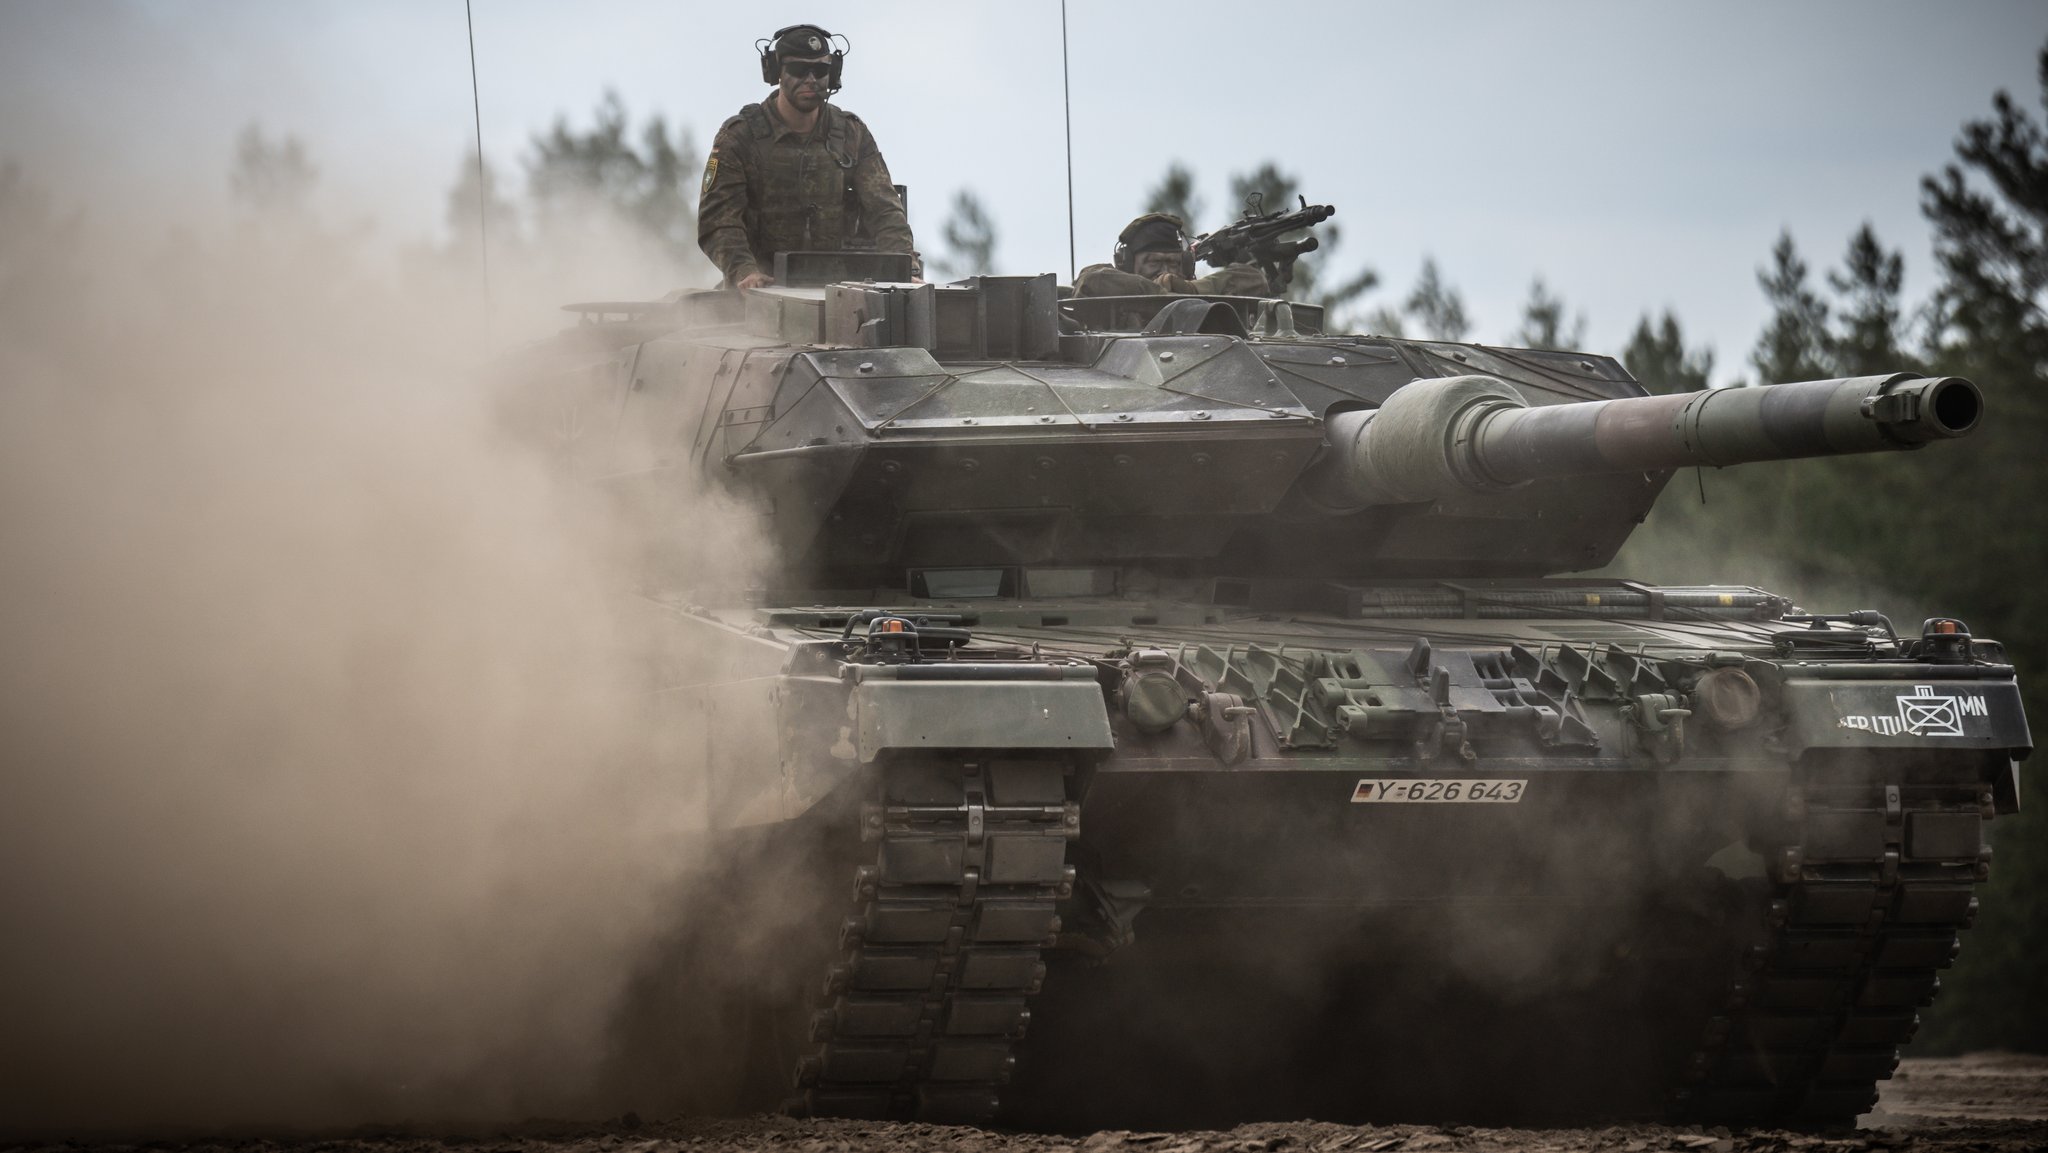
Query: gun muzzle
x=1436 y=438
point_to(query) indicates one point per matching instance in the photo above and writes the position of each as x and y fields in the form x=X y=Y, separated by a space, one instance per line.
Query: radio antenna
x=1067 y=97
x=483 y=191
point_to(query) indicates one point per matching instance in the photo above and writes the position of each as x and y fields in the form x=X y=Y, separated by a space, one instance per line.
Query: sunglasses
x=807 y=69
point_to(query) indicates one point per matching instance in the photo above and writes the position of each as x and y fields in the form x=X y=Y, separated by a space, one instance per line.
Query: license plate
x=1424 y=791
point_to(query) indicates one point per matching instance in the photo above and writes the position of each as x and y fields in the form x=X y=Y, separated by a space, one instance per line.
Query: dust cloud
x=323 y=788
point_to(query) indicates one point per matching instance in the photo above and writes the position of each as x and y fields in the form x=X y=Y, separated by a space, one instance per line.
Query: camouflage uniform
x=767 y=190
x=1109 y=280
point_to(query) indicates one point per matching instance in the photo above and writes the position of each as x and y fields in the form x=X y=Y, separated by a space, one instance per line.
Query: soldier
x=795 y=172
x=1152 y=256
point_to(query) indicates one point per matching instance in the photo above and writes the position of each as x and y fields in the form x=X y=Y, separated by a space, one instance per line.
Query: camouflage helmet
x=1153 y=232
x=801 y=42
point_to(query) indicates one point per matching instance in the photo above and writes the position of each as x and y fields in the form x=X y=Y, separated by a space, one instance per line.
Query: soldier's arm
x=722 y=206
x=1108 y=280
x=878 y=203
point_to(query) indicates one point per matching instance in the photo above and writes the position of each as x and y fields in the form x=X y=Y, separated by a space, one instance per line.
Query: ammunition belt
x=1867 y=892
x=941 y=956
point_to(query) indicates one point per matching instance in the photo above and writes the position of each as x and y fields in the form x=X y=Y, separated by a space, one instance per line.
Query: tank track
x=1867 y=892
x=929 y=993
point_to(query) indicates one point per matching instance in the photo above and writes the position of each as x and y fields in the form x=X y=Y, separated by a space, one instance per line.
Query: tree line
x=1958 y=530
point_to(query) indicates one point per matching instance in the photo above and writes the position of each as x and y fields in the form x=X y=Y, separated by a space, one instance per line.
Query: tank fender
x=1925 y=712
x=1062 y=711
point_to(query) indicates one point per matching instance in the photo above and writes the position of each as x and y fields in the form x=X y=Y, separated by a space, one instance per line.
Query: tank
x=1162 y=712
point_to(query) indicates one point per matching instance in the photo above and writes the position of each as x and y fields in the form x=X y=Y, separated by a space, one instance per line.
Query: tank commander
x=1152 y=256
x=796 y=172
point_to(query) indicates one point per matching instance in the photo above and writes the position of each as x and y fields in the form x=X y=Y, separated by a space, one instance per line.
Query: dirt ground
x=1987 y=1102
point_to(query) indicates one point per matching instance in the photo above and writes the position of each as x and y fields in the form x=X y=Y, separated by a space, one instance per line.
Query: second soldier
x=1152 y=256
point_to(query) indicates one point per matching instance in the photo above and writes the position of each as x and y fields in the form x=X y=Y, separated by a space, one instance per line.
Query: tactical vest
x=803 y=195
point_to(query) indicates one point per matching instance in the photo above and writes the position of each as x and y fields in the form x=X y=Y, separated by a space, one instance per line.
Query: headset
x=771 y=59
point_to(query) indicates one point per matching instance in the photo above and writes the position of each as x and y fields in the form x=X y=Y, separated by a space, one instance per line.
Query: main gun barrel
x=1440 y=437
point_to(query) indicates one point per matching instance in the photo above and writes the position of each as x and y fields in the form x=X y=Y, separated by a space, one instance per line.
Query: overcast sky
x=1636 y=155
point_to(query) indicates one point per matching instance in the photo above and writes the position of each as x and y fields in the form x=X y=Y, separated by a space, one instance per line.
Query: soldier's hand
x=755 y=279
x=1174 y=282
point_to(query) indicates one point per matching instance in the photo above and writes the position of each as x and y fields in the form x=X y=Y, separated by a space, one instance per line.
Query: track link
x=1868 y=890
x=941 y=955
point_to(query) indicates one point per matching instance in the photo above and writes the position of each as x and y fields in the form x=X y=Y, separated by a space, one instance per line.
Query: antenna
x=1067 y=96
x=483 y=191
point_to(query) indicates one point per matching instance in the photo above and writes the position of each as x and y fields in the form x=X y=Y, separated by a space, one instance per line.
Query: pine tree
x=1866 y=341
x=474 y=209
x=1385 y=321
x=42 y=277
x=1656 y=356
x=271 y=177
x=664 y=203
x=567 y=164
x=1989 y=212
x=1436 y=306
x=651 y=187
x=1175 y=195
x=970 y=238
x=1795 y=344
x=1543 y=321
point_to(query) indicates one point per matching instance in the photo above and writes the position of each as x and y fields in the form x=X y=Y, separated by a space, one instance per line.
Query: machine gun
x=1256 y=239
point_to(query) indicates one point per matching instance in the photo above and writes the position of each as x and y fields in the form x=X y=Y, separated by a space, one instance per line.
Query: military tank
x=1161 y=711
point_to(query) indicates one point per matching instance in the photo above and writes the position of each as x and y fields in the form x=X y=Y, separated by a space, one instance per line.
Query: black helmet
x=801 y=41
x=1153 y=232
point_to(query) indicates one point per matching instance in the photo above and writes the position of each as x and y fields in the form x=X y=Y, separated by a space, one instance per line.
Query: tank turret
x=893 y=427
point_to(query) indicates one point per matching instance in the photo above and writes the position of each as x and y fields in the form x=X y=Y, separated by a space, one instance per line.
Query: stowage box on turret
x=1164 y=712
